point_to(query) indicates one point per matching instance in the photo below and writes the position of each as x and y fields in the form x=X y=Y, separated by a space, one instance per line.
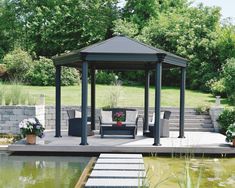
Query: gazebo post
x=84 y=102
x=182 y=101
x=93 y=98
x=58 y=102
x=146 y=99
x=158 y=83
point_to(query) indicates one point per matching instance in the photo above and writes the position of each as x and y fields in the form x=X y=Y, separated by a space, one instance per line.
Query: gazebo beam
x=84 y=102
x=158 y=83
x=182 y=102
x=146 y=99
x=93 y=94
x=58 y=102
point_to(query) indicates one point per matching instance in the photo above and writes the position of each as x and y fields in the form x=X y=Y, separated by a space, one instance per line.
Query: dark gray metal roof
x=120 y=52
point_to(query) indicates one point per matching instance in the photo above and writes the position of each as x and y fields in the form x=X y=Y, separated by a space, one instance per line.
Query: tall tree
x=53 y=26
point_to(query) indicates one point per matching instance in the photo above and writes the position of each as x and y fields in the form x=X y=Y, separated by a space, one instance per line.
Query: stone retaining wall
x=10 y=116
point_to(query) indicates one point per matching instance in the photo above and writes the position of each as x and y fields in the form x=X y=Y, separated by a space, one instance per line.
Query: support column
x=146 y=100
x=84 y=102
x=58 y=102
x=93 y=98
x=182 y=102
x=158 y=85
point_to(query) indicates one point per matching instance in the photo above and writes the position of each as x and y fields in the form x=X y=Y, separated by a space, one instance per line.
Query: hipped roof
x=120 y=53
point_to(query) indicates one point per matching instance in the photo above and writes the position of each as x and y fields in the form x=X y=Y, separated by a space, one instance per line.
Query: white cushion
x=78 y=114
x=153 y=118
x=131 y=116
x=106 y=116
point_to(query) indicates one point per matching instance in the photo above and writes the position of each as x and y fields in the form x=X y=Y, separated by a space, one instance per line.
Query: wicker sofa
x=108 y=125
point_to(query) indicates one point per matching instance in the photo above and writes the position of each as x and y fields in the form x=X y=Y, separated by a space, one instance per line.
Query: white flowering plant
x=31 y=126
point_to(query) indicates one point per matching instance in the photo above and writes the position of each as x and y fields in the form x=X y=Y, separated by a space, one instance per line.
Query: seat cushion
x=131 y=116
x=106 y=116
x=78 y=114
x=153 y=118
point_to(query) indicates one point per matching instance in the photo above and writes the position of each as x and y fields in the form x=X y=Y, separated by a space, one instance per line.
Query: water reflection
x=166 y=172
x=38 y=172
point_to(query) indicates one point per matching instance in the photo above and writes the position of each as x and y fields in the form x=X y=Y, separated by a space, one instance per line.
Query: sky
x=227 y=6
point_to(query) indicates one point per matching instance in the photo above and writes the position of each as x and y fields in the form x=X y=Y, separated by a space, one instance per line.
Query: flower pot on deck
x=31 y=139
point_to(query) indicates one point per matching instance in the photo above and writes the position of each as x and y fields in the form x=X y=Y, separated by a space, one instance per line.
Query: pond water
x=40 y=171
x=163 y=172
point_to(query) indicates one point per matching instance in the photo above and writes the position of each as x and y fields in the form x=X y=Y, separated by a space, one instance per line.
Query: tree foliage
x=43 y=74
x=18 y=63
x=50 y=27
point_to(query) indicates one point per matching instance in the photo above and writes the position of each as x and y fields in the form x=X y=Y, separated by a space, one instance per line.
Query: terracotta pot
x=31 y=139
x=234 y=142
x=119 y=123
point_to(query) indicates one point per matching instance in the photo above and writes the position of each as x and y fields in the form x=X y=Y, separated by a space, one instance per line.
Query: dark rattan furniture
x=109 y=127
x=75 y=124
x=164 y=126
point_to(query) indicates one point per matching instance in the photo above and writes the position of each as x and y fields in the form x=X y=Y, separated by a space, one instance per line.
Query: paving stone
x=103 y=182
x=119 y=161
x=117 y=174
x=133 y=156
x=119 y=167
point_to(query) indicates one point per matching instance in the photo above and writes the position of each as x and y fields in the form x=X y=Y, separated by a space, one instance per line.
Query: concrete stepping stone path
x=117 y=170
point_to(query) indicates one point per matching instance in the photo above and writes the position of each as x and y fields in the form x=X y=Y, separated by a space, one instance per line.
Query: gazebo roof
x=120 y=52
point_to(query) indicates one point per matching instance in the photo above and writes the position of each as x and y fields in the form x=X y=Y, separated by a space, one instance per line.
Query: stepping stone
x=139 y=167
x=119 y=161
x=102 y=182
x=117 y=174
x=132 y=156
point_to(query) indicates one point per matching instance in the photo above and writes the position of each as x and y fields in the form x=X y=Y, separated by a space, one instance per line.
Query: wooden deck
x=195 y=142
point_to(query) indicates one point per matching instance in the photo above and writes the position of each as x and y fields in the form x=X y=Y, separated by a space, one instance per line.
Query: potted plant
x=119 y=117
x=230 y=134
x=30 y=128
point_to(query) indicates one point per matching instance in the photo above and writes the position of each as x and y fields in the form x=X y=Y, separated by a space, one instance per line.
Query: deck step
x=117 y=170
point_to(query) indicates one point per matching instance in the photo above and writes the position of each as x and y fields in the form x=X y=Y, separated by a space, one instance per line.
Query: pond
x=40 y=171
x=165 y=172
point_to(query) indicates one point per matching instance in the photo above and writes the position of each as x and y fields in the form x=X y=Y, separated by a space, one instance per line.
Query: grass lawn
x=130 y=96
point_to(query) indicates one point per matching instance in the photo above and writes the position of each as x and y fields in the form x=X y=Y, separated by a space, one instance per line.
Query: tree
x=54 y=26
x=190 y=33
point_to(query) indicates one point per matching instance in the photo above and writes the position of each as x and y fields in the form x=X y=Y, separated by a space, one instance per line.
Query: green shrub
x=218 y=88
x=229 y=78
x=202 y=109
x=69 y=76
x=230 y=133
x=2 y=69
x=226 y=118
x=43 y=74
x=18 y=63
x=104 y=77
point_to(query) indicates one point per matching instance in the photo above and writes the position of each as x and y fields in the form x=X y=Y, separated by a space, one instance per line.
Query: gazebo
x=122 y=54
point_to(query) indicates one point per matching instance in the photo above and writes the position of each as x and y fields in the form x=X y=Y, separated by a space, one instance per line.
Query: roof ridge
x=153 y=48
x=97 y=44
